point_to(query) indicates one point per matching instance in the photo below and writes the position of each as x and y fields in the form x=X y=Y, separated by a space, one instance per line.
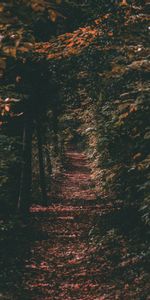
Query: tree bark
x=24 y=200
x=41 y=165
x=49 y=164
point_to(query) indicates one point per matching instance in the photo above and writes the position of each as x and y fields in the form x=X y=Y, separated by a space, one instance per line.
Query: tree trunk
x=41 y=164
x=24 y=201
x=55 y=129
x=49 y=164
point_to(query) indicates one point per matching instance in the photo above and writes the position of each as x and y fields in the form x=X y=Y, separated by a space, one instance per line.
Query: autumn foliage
x=75 y=134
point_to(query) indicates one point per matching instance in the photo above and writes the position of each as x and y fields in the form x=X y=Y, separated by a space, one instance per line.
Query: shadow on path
x=55 y=259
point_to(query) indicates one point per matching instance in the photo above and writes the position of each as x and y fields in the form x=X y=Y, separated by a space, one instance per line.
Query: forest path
x=59 y=266
x=59 y=256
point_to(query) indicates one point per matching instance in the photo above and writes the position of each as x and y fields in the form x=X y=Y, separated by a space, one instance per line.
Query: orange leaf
x=7 y=107
x=110 y=33
x=133 y=108
x=52 y=15
x=124 y=3
x=70 y=44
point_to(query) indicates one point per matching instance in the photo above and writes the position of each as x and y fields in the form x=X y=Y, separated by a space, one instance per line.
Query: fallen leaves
x=68 y=44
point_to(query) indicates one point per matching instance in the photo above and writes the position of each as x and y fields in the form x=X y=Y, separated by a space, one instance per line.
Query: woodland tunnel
x=75 y=134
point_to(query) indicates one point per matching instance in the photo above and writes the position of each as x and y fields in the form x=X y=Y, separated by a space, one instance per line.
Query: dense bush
x=101 y=73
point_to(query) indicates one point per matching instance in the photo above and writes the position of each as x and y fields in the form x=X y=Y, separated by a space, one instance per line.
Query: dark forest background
x=76 y=73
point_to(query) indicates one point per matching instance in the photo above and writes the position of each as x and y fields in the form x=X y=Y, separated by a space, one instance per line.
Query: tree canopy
x=75 y=73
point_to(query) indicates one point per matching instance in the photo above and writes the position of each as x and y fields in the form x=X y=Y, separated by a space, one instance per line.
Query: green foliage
x=88 y=88
x=113 y=90
x=104 y=82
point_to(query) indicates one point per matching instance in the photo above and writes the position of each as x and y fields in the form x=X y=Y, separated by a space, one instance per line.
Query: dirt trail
x=59 y=265
x=51 y=261
x=54 y=259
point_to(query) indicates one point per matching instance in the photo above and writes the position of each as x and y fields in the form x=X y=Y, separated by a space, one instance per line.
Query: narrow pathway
x=59 y=266
x=56 y=258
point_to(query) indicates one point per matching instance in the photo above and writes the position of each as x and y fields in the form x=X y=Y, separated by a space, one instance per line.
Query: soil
x=62 y=254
